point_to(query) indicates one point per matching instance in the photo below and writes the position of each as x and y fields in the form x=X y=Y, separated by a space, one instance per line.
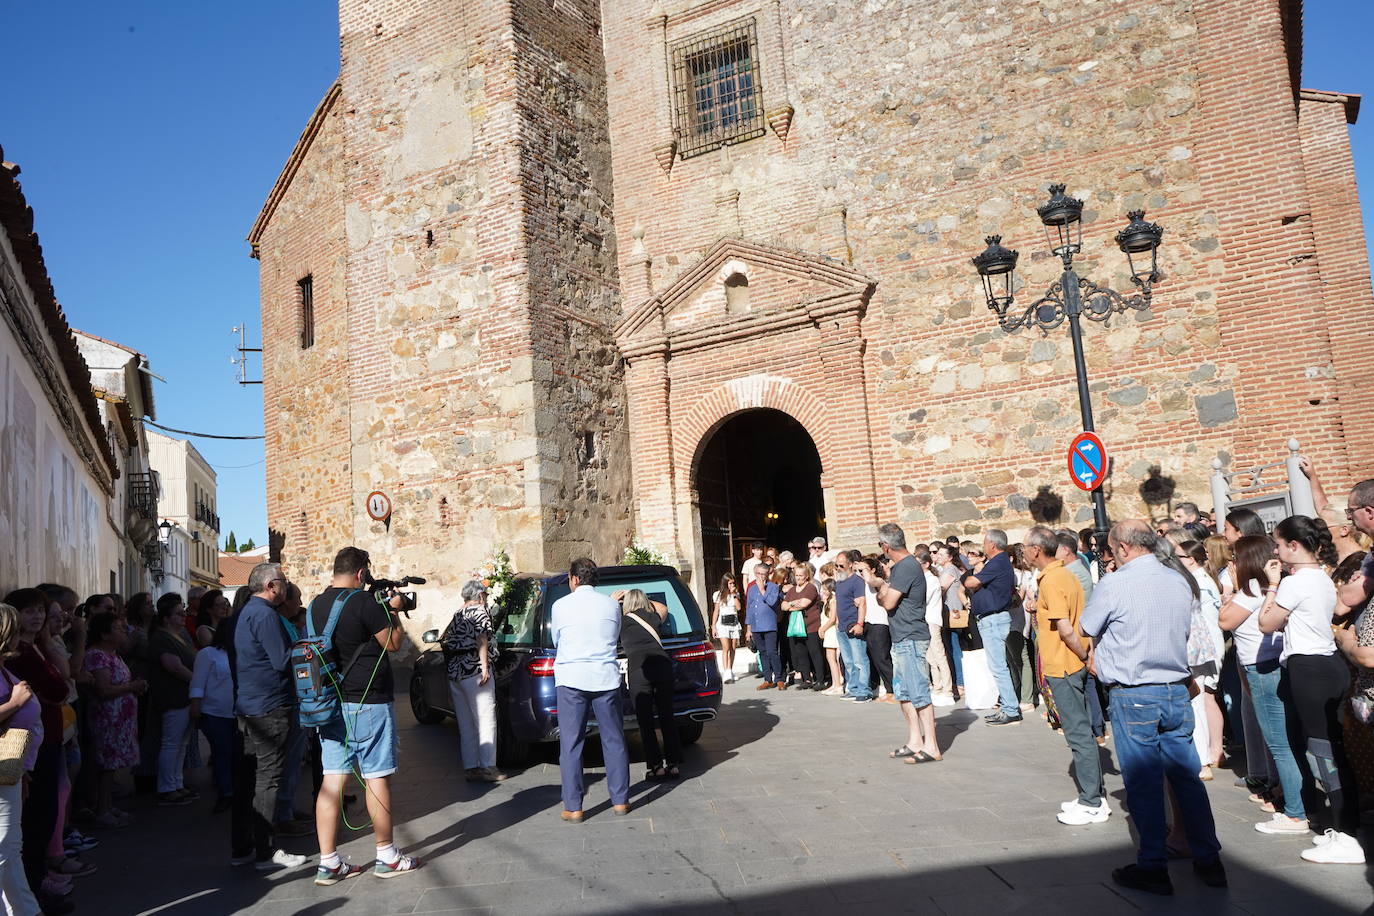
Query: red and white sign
x=1087 y=461
x=378 y=506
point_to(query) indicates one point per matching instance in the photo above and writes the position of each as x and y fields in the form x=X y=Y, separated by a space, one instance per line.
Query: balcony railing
x=206 y=517
x=143 y=494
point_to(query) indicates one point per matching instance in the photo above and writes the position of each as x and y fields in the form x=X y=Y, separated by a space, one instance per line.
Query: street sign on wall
x=1087 y=461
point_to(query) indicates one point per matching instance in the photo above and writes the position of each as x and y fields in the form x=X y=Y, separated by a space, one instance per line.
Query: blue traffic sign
x=1087 y=461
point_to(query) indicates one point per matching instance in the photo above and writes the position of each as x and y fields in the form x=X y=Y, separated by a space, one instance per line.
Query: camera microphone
x=415 y=580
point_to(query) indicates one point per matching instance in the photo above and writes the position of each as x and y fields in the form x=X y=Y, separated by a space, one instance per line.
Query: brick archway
x=752 y=393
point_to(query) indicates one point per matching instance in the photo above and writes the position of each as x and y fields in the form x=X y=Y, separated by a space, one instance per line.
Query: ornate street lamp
x=1073 y=297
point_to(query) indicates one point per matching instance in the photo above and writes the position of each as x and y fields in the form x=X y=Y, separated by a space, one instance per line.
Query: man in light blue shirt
x=1139 y=617
x=586 y=628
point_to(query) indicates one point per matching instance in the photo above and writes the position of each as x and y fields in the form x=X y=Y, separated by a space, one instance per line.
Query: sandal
x=922 y=757
x=673 y=772
x=654 y=774
x=902 y=753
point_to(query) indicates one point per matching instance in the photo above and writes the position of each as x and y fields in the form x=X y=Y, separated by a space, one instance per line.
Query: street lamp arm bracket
x=1101 y=303
x=1044 y=314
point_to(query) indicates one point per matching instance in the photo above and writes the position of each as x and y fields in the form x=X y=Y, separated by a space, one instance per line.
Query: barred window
x=717 y=98
x=306 y=286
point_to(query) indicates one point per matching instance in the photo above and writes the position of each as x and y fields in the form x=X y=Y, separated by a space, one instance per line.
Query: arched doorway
x=758 y=478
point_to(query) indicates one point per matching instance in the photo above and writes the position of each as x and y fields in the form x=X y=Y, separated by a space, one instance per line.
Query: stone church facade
x=529 y=258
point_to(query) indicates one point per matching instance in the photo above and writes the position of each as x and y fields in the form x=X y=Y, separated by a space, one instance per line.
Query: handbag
x=14 y=744
x=796 y=624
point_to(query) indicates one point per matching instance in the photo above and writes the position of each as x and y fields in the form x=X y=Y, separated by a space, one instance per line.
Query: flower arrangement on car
x=642 y=553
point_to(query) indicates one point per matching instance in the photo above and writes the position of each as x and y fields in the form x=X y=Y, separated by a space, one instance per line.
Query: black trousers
x=39 y=819
x=879 y=640
x=808 y=657
x=651 y=689
x=1317 y=686
x=266 y=738
x=245 y=771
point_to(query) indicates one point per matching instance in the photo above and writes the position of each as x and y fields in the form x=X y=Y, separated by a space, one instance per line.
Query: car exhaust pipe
x=702 y=715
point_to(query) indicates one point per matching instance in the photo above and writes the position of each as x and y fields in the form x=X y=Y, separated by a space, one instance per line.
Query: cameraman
x=364 y=742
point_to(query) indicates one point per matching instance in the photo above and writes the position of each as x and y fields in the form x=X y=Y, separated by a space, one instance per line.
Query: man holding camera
x=362 y=741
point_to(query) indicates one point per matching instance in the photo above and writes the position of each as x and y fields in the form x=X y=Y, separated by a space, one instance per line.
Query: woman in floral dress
x=113 y=715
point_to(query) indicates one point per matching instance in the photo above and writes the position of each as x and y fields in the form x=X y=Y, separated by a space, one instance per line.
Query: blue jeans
x=854 y=653
x=994 y=629
x=573 y=707
x=956 y=655
x=911 y=672
x=1272 y=716
x=766 y=646
x=219 y=731
x=1153 y=728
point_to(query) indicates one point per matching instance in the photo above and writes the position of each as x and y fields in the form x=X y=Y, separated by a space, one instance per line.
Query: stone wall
x=455 y=208
x=949 y=125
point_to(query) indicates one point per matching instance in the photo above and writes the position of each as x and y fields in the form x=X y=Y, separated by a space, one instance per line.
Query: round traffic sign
x=1087 y=461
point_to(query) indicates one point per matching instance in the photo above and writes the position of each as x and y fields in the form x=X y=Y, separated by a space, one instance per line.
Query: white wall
x=53 y=521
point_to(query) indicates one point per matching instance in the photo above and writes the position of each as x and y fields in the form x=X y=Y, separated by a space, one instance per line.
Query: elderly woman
x=466 y=643
x=113 y=712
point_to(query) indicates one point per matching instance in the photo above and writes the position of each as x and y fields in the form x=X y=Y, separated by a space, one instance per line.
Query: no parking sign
x=1087 y=461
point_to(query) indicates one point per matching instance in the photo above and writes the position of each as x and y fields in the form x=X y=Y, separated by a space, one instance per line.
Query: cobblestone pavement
x=791 y=806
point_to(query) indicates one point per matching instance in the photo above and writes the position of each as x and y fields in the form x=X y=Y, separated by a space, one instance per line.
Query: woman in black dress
x=650 y=673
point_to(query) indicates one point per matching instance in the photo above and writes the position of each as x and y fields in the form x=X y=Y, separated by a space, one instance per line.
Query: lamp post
x=1073 y=297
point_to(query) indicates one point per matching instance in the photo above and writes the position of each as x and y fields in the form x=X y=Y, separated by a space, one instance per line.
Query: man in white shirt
x=586 y=628
x=747 y=571
x=819 y=555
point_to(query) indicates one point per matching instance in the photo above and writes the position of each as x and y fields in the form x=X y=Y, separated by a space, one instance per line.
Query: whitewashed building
x=189 y=499
x=58 y=473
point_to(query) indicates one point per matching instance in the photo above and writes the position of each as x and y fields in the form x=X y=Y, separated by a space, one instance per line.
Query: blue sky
x=150 y=133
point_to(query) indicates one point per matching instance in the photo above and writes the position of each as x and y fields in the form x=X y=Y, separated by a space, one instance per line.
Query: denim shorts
x=363 y=740
x=911 y=672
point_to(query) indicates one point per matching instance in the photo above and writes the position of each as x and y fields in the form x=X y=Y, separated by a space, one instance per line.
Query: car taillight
x=540 y=667
x=695 y=653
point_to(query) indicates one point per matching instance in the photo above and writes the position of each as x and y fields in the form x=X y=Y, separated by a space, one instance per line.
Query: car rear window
x=684 y=617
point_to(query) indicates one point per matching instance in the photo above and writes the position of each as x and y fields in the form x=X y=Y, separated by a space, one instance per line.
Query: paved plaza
x=791 y=807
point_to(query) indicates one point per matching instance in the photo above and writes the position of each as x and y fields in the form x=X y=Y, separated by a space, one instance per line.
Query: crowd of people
x=1189 y=638
x=1185 y=638
x=93 y=689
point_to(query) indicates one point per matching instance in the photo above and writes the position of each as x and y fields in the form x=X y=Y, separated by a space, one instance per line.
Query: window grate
x=717 y=98
x=307 y=287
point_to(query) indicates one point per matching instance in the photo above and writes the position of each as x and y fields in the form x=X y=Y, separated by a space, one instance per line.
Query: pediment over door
x=742 y=289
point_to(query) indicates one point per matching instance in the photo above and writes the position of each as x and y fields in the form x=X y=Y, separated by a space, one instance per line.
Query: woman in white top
x=725 y=623
x=1193 y=555
x=212 y=709
x=830 y=632
x=1301 y=606
x=1258 y=656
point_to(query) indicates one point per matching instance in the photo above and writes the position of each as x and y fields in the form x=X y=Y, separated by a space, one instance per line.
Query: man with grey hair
x=265 y=703
x=1140 y=617
x=1185 y=513
x=993 y=589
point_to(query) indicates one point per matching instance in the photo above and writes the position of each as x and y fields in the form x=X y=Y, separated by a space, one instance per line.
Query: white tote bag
x=980 y=690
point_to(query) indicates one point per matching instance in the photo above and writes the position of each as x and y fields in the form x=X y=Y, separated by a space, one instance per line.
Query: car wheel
x=690 y=732
x=424 y=713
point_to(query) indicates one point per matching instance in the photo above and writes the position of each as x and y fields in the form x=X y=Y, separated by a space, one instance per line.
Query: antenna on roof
x=240 y=362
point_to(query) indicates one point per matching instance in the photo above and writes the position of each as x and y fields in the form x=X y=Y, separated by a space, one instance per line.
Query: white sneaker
x=1341 y=849
x=1325 y=837
x=942 y=699
x=1282 y=823
x=1079 y=815
x=281 y=859
x=1070 y=805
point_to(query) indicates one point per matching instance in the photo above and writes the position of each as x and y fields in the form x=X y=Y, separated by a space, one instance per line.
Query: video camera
x=386 y=588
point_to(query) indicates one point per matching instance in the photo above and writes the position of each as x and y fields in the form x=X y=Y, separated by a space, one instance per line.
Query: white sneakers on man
x=1281 y=823
x=942 y=699
x=1074 y=814
x=1335 y=848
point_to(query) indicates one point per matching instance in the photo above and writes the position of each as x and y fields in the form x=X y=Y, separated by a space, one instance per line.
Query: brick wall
x=905 y=166
x=1338 y=231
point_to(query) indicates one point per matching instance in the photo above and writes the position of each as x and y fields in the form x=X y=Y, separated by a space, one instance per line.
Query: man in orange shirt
x=1064 y=654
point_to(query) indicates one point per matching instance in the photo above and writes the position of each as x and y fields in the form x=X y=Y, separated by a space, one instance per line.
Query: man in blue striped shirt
x=1139 y=617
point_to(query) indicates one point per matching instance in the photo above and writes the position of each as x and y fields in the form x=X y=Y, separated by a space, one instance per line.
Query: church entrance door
x=758 y=478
